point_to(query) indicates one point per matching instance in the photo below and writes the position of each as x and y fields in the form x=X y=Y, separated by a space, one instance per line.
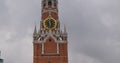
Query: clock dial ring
x=50 y=23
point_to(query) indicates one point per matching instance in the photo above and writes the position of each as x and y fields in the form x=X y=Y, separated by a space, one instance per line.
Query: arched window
x=49 y=2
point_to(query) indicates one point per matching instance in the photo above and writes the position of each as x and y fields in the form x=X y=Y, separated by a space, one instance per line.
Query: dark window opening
x=49 y=3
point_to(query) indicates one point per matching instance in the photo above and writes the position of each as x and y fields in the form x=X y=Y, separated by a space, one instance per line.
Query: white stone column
x=57 y=48
x=42 y=48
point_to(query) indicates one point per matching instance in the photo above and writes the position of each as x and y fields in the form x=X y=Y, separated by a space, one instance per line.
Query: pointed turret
x=65 y=32
x=35 y=32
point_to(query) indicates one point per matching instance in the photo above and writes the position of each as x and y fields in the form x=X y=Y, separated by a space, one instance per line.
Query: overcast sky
x=93 y=28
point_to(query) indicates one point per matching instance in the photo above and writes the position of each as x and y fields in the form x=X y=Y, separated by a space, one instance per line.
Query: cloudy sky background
x=92 y=25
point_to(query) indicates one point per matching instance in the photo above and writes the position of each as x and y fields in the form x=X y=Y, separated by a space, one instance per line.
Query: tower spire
x=35 y=31
x=65 y=29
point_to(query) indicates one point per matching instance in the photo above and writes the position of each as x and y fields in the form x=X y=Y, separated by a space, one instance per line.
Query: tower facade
x=50 y=42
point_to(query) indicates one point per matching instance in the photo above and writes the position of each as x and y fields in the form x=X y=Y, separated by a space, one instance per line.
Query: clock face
x=50 y=23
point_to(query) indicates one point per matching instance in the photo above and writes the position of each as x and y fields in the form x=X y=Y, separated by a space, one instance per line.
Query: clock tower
x=50 y=42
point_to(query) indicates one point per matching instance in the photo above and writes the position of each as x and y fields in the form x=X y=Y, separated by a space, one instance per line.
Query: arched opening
x=49 y=2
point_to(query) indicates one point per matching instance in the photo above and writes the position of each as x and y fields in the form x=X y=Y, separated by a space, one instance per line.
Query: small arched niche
x=49 y=2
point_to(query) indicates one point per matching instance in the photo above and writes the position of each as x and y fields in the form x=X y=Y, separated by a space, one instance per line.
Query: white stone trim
x=50 y=35
x=42 y=48
x=58 y=48
x=44 y=11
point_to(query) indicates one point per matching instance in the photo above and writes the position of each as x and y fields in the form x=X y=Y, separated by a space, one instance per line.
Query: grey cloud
x=93 y=31
x=92 y=25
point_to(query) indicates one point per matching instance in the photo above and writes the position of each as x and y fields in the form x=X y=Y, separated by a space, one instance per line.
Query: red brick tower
x=50 y=43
